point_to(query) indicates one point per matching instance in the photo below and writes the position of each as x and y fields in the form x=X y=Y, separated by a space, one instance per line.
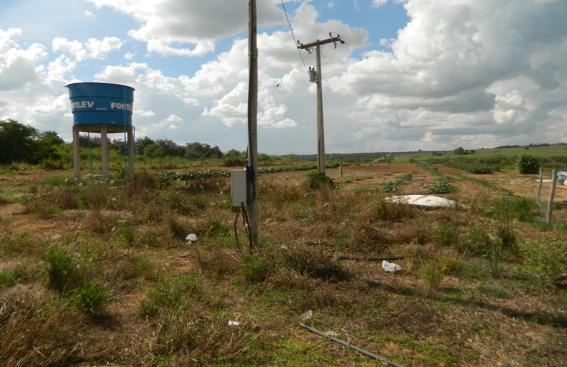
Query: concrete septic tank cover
x=424 y=200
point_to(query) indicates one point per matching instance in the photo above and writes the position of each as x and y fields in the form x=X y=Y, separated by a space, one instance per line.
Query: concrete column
x=131 y=153
x=76 y=153
x=104 y=151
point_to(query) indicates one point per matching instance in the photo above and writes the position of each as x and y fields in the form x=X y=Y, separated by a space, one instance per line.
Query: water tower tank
x=101 y=104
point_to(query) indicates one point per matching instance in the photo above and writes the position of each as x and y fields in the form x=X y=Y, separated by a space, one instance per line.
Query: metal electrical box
x=238 y=187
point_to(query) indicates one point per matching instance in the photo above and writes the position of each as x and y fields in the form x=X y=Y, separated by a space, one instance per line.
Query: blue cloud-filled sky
x=413 y=74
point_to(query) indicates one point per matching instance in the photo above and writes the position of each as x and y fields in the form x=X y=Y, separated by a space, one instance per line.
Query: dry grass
x=448 y=307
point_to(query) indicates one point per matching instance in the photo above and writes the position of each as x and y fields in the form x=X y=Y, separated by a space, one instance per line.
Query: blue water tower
x=103 y=108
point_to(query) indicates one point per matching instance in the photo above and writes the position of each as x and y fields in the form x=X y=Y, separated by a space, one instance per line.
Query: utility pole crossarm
x=308 y=46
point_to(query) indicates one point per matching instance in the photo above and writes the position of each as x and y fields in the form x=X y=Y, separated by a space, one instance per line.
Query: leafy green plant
x=544 y=260
x=509 y=208
x=255 y=268
x=126 y=236
x=528 y=164
x=316 y=180
x=200 y=201
x=215 y=228
x=432 y=274
x=62 y=271
x=441 y=186
x=447 y=234
x=170 y=293
x=176 y=228
x=9 y=278
x=91 y=298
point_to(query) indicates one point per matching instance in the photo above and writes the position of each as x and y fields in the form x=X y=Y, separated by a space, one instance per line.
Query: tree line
x=24 y=143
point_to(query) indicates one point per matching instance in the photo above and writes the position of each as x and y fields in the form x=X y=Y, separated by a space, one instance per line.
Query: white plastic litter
x=233 y=323
x=307 y=315
x=390 y=267
x=191 y=238
x=423 y=200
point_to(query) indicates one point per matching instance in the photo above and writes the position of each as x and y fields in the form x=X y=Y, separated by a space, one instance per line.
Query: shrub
x=170 y=293
x=442 y=186
x=316 y=180
x=176 y=228
x=544 y=260
x=126 y=236
x=447 y=234
x=477 y=243
x=528 y=164
x=91 y=298
x=200 y=201
x=432 y=274
x=62 y=270
x=215 y=228
x=508 y=208
x=507 y=239
x=255 y=268
x=9 y=278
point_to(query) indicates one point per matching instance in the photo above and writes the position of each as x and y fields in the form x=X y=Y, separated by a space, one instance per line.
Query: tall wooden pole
x=549 y=211
x=319 y=79
x=131 y=153
x=320 y=120
x=253 y=209
x=76 y=153
x=104 y=151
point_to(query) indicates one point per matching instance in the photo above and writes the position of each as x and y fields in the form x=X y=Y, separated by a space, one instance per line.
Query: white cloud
x=73 y=52
x=18 y=65
x=189 y=28
x=463 y=68
x=379 y=3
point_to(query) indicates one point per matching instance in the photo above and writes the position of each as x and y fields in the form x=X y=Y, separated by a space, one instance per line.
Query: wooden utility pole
x=549 y=211
x=252 y=204
x=319 y=79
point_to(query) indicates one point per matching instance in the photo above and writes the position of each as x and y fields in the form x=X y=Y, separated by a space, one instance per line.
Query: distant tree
x=23 y=143
x=528 y=164
x=459 y=151
x=142 y=144
x=17 y=142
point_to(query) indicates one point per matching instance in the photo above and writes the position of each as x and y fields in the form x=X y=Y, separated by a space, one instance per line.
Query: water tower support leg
x=131 y=153
x=104 y=151
x=76 y=153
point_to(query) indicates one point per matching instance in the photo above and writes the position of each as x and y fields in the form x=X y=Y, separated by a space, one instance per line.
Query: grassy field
x=99 y=273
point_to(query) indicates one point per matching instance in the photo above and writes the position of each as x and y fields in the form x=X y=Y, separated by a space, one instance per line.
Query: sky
x=412 y=74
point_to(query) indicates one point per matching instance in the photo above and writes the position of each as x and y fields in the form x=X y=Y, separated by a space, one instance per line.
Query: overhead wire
x=293 y=33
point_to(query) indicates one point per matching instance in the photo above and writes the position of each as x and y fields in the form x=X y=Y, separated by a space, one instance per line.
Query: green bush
x=447 y=234
x=200 y=201
x=528 y=164
x=9 y=278
x=176 y=228
x=442 y=186
x=478 y=242
x=170 y=293
x=62 y=270
x=508 y=208
x=126 y=236
x=255 y=268
x=316 y=180
x=432 y=274
x=544 y=260
x=91 y=298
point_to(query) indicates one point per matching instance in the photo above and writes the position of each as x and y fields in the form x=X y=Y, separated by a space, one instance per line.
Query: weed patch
x=62 y=270
x=170 y=293
x=91 y=298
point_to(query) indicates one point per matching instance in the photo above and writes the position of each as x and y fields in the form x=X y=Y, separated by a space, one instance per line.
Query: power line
x=292 y=33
